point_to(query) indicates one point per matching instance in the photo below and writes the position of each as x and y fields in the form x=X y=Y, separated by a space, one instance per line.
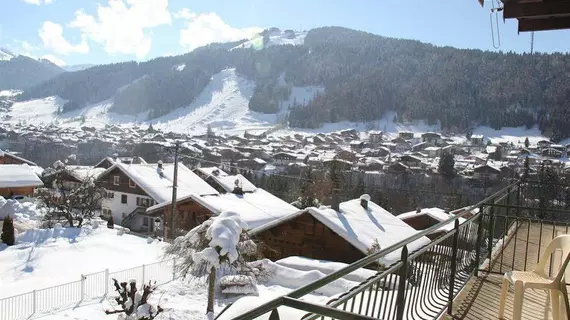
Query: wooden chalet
x=347 y=235
x=10 y=158
x=422 y=219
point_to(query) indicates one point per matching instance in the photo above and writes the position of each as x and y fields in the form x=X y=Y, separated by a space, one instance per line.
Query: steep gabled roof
x=18 y=175
x=13 y=156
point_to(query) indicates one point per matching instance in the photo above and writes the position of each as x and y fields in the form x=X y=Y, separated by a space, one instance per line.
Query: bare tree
x=82 y=201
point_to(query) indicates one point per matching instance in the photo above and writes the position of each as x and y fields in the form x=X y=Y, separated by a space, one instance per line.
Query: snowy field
x=47 y=257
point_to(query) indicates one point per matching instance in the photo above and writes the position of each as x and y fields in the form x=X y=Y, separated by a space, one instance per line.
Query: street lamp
x=157 y=223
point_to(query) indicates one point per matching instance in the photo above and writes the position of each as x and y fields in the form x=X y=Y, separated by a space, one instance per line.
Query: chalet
x=543 y=144
x=253 y=164
x=373 y=152
x=398 y=167
x=433 y=152
x=433 y=138
x=339 y=163
x=346 y=156
x=75 y=175
x=255 y=208
x=486 y=172
x=284 y=158
x=477 y=139
x=18 y=179
x=346 y=235
x=375 y=137
x=401 y=145
x=411 y=161
x=406 y=135
x=357 y=145
x=10 y=158
x=422 y=219
x=224 y=182
x=421 y=146
x=131 y=188
x=552 y=153
x=507 y=173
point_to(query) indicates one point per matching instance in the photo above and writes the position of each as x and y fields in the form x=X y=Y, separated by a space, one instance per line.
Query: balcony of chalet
x=459 y=274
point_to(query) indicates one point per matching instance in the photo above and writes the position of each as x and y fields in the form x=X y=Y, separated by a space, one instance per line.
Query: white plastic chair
x=538 y=279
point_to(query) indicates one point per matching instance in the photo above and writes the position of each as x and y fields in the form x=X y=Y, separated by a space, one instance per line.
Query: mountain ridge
x=364 y=76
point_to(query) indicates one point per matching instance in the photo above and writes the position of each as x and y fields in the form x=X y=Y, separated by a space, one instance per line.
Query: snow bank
x=26 y=215
x=326 y=267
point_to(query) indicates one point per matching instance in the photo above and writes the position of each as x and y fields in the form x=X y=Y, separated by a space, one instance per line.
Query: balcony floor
x=480 y=298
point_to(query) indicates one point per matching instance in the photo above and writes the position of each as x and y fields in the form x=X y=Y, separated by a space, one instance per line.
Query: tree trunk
x=211 y=289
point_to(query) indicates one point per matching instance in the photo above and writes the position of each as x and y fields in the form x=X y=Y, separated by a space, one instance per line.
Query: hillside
x=20 y=72
x=364 y=77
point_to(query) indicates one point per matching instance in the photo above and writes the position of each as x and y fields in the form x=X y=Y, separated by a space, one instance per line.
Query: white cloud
x=202 y=29
x=38 y=2
x=52 y=38
x=121 y=26
x=55 y=60
x=27 y=47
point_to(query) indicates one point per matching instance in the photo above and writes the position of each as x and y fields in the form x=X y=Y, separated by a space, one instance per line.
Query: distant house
x=411 y=161
x=375 y=137
x=477 y=139
x=401 y=145
x=131 y=188
x=347 y=235
x=284 y=158
x=433 y=138
x=76 y=175
x=552 y=153
x=346 y=156
x=542 y=144
x=406 y=135
x=357 y=145
x=486 y=172
x=253 y=164
x=108 y=162
x=398 y=167
x=433 y=152
x=18 y=179
x=340 y=164
x=421 y=146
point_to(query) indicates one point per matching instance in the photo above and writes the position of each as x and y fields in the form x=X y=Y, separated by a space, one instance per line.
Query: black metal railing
x=422 y=285
x=506 y=231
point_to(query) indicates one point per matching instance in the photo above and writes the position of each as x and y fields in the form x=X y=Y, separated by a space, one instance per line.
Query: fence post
x=173 y=268
x=143 y=275
x=453 y=268
x=82 y=287
x=400 y=303
x=491 y=234
x=34 y=302
x=478 y=242
x=519 y=199
x=106 y=282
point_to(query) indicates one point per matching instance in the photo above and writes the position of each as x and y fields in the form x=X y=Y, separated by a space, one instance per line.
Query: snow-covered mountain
x=6 y=55
x=274 y=37
x=77 y=67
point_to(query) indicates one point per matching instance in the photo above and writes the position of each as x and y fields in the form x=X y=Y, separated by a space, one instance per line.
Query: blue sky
x=105 y=31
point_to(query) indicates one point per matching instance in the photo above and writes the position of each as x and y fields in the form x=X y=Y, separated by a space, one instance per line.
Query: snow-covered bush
x=238 y=284
x=134 y=305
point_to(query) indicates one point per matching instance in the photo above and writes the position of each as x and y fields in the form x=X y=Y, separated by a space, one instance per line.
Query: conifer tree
x=8 y=231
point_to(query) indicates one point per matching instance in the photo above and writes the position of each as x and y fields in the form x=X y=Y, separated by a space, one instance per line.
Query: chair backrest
x=559 y=243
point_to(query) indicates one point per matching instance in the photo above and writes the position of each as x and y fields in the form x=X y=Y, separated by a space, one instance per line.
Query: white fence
x=91 y=288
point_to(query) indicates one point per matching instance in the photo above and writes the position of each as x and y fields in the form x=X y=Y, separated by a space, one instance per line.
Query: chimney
x=115 y=156
x=418 y=210
x=364 y=199
x=335 y=200
x=159 y=163
x=237 y=189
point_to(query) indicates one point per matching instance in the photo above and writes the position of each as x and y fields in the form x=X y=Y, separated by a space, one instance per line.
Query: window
x=116 y=180
x=145 y=222
x=124 y=198
x=110 y=195
x=132 y=184
x=105 y=211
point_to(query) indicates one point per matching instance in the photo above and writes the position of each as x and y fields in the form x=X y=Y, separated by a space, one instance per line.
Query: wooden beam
x=526 y=25
x=540 y=9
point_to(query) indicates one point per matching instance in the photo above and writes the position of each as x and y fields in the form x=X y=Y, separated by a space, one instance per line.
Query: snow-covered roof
x=256 y=208
x=435 y=213
x=361 y=227
x=13 y=156
x=209 y=171
x=158 y=183
x=18 y=175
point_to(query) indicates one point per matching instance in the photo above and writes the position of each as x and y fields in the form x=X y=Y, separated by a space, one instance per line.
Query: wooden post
x=400 y=303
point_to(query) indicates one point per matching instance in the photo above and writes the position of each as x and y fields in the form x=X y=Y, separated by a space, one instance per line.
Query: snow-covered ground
x=276 y=38
x=47 y=257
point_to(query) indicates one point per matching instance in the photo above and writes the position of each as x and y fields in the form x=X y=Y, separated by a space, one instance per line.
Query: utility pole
x=174 y=187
